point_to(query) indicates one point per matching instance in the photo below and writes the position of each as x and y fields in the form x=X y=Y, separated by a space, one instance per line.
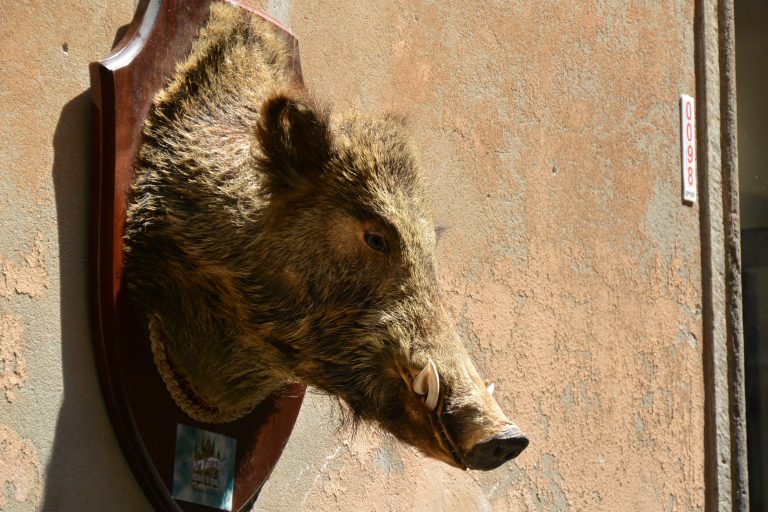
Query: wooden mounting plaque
x=143 y=414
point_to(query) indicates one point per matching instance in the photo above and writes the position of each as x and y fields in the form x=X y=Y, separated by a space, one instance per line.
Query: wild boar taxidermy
x=269 y=242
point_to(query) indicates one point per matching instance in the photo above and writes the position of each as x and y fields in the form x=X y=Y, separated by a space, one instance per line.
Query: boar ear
x=295 y=141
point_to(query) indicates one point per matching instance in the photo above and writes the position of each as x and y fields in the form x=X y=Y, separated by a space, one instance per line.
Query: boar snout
x=471 y=426
x=497 y=450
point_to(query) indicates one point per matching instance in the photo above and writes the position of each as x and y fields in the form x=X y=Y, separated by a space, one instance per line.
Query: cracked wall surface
x=19 y=470
x=549 y=135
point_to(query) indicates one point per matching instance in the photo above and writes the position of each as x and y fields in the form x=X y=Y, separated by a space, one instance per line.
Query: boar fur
x=270 y=242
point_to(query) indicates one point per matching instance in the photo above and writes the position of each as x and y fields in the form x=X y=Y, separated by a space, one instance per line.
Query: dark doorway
x=751 y=83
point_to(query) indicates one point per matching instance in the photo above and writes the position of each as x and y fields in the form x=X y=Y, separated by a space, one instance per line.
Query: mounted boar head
x=270 y=243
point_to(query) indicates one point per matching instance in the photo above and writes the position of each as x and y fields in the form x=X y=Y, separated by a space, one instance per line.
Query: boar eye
x=376 y=241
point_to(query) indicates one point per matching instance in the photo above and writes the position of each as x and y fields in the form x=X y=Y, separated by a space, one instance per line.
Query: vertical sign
x=688 y=135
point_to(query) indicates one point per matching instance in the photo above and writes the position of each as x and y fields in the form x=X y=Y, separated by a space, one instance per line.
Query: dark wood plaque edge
x=113 y=153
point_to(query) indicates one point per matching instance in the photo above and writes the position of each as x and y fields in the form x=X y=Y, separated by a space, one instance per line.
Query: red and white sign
x=688 y=133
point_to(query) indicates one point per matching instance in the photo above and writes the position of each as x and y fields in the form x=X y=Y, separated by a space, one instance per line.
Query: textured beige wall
x=57 y=449
x=549 y=133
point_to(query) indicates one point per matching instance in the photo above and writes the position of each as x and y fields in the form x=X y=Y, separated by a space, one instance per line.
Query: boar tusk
x=433 y=380
x=420 y=382
x=490 y=388
x=427 y=382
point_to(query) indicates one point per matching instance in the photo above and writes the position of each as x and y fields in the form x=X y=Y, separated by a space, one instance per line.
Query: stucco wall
x=549 y=133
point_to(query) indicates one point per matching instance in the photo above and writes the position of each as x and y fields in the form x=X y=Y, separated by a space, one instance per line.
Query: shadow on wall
x=86 y=469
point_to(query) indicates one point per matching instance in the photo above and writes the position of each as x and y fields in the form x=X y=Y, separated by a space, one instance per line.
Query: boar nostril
x=497 y=450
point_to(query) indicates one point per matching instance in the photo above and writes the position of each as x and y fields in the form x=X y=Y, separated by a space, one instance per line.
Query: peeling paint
x=13 y=364
x=19 y=469
x=557 y=500
x=388 y=459
x=28 y=277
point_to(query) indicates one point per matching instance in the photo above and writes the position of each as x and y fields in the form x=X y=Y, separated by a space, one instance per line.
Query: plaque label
x=204 y=468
